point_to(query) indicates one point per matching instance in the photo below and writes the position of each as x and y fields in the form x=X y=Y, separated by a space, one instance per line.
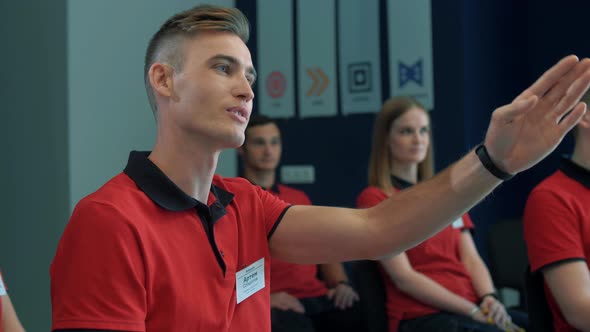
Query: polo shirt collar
x=162 y=191
x=576 y=172
x=400 y=183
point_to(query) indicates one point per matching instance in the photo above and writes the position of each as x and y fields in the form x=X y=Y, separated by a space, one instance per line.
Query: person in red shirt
x=300 y=301
x=557 y=233
x=442 y=283
x=9 y=321
x=167 y=245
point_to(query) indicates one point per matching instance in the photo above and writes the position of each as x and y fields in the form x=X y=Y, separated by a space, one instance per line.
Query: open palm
x=528 y=129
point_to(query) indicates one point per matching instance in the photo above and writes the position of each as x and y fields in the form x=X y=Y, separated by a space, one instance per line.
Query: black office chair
x=366 y=278
x=507 y=256
x=540 y=317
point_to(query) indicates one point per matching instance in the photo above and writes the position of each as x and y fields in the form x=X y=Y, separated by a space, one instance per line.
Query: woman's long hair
x=381 y=159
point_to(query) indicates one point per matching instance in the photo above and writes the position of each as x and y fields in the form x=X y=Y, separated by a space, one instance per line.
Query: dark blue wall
x=484 y=54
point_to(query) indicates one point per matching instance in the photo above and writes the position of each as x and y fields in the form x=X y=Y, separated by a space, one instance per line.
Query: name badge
x=250 y=280
x=2 y=287
x=458 y=223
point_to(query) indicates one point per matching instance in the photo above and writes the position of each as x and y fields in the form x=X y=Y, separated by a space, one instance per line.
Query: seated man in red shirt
x=300 y=301
x=557 y=233
x=8 y=319
x=167 y=245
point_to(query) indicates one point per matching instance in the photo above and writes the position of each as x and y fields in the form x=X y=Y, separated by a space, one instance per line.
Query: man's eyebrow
x=234 y=61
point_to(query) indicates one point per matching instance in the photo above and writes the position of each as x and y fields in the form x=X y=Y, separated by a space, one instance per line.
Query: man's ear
x=161 y=79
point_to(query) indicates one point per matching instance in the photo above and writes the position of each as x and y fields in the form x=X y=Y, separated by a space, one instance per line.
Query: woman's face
x=409 y=137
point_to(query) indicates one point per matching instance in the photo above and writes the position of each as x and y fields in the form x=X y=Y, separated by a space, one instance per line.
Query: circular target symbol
x=276 y=84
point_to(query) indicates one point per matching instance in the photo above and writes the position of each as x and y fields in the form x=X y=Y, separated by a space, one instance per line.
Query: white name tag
x=250 y=280
x=458 y=223
x=2 y=287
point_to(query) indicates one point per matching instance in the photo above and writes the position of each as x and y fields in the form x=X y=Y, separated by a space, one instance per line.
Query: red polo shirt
x=299 y=280
x=557 y=225
x=438 y=258
x=141 y=255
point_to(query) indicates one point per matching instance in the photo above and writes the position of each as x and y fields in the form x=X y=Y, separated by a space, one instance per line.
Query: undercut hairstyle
x=381 y=159
x=167 y=45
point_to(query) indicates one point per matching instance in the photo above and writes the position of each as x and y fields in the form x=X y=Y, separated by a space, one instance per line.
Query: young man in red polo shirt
x=168 y=246
x=557 y=233
x=299 y=300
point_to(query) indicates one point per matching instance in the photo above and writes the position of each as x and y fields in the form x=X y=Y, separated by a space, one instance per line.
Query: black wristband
x=492 y=294
x=484 y=157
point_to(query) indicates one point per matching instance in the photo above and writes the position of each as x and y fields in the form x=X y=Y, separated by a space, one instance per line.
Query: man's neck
x=263 y=178
x=190 y=166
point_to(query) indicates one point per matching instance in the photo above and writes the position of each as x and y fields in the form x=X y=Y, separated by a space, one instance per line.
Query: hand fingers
x=572 y=119
x=297 y=306
x=550 y=77
x=557 y=92
x=346 y=298
x=342 y=300
x=507 y=113
x=498 y=315
x=573 y=95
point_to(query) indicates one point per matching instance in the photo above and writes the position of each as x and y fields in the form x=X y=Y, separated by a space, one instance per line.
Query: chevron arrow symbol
x=320 y=82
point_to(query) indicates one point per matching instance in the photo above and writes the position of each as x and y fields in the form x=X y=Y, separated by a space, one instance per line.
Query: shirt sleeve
x=551 y=230
x=467 y=222
x=370 y=197
x=97 y=275
x=273 y=209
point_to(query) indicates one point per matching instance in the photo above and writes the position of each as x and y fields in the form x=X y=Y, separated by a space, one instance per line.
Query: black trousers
x=448 y=322
x=320 y=316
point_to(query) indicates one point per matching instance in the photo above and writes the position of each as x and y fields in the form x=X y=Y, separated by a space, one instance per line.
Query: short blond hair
x=167 y=44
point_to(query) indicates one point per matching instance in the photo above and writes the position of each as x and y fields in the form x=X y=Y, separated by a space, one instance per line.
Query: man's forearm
x=415 y=214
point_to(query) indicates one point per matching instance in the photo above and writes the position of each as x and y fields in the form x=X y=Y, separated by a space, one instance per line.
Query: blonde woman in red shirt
x=441 y=284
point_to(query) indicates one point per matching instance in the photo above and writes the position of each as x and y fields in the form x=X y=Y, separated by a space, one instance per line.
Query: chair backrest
x=367 y=279
x=507 y=254
x=540 y=316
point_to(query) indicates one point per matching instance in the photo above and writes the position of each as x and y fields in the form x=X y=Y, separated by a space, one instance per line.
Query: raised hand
x=528 y=129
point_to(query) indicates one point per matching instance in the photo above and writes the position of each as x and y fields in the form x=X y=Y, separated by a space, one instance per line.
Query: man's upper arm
x=569 y=282
x=97 y=275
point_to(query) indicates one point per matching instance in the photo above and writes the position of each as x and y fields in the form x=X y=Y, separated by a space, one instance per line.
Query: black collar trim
x=162 y=191
x=576 y=172
x=400 y=183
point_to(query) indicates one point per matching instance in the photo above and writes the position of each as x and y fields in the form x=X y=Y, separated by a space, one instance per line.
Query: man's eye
x=223 y=68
